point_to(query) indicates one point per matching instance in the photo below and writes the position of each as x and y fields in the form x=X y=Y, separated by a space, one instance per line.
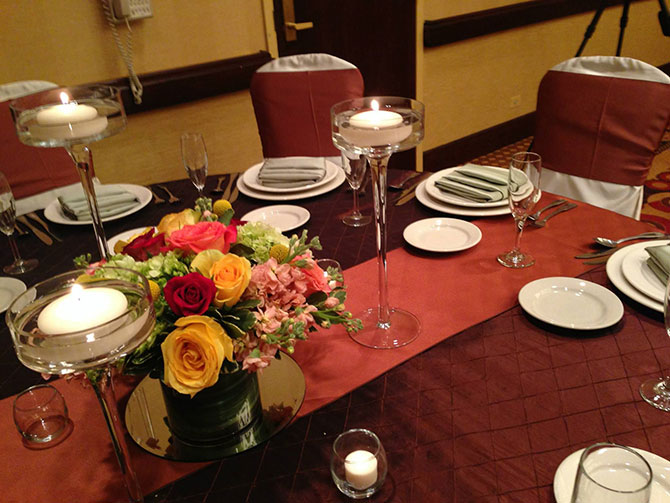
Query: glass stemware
x=7 y=222
x=355 y=168
x=194 y=155
x=72 y=117
x=376 y=127
x=657 y=391
x=524 y=192
x=64 y=325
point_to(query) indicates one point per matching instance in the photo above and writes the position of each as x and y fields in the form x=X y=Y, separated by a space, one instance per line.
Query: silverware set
x=612 y=245
x=45 y=234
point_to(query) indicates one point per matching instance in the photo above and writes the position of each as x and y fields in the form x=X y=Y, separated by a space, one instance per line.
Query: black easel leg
x=623 y=22
x=592 y=27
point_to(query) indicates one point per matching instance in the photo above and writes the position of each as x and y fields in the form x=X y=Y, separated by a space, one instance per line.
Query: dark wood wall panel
x=457 y=28
x=190 y=83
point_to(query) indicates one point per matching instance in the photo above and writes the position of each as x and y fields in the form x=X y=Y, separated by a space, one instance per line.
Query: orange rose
x=193 y=354
x=231 y=275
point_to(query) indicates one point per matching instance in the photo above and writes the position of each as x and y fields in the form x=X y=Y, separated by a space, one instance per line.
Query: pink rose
x=316 y=279
x=204 y=236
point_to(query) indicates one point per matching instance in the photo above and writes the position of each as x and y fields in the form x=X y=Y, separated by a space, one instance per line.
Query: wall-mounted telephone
x=122 y=11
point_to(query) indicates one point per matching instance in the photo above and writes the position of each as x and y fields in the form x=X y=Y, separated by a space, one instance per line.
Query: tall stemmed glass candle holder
x=72 y=117
x=376 y=127
x=657 y=391
x=66 y=324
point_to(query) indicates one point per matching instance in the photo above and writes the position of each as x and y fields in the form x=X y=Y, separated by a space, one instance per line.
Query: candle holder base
x=402 y=328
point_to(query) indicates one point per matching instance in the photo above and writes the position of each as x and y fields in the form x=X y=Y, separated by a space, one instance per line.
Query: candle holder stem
x=104 y=391
x=83 y=159
x=378 y=170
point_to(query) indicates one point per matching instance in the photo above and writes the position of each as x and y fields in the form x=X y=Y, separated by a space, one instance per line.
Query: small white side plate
x=571 y=303
x=442 y=234
x=285 y=217
x=637 y=272
x=564 y=478
x=10 y=288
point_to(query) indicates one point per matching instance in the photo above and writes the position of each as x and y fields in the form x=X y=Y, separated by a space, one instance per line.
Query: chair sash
x=599 y=121
x=292 y=98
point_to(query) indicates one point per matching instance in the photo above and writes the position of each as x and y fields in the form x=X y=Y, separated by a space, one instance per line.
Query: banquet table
x=481 y=407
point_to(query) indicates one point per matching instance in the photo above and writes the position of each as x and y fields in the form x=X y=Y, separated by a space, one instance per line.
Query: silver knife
x=44 y=225
x=45 y=238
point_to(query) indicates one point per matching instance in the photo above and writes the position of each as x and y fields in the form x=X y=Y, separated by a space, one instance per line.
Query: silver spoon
x=612 y=243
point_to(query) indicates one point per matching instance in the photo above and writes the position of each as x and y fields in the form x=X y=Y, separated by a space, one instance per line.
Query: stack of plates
x=249 y=185
x=432 y=197
x=627 y=269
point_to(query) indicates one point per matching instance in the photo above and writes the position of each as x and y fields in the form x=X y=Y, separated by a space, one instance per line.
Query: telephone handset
x=120 y=11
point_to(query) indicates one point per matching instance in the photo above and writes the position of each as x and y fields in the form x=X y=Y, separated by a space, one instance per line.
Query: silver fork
x=157 y=198
x=543 y=222
x=172 y=198
x=536 y=215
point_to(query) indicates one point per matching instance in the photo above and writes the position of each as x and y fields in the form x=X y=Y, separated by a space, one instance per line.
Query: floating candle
x=361 y=469
x=70 y=120
x=375 y=128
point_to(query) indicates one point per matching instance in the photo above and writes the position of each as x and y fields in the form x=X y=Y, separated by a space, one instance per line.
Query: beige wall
x=69 y=42
x=475 y=84
x=437 y=9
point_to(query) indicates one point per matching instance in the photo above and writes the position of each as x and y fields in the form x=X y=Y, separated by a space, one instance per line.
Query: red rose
x=189 y=295
x=146 y=246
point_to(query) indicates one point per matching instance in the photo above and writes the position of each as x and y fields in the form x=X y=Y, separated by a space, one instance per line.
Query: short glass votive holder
x=358 y=463
x=332 y=271
x=41 y=416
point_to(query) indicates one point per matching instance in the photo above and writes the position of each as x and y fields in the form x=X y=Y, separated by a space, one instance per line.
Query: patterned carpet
x=656 y=209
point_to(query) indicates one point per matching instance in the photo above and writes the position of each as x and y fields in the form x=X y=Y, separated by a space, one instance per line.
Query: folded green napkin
x=289 y=172
x=111 y=201
x=659 y=261
x=482 y=184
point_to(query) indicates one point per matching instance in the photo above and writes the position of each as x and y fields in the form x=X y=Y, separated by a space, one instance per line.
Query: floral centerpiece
x=230 y=296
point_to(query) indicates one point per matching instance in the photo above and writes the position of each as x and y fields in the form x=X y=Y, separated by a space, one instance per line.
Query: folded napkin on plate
x=289 y=172
x=659 y=261
x=483 y=184
x=111 y=201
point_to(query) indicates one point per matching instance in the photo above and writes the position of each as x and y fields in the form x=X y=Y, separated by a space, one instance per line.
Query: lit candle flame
x=65 y=99
x=375 y=105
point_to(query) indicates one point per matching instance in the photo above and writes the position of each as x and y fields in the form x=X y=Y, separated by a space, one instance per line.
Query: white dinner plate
x=291 y=196
x=615 y=275
x=10 y=288
x=250 y=177
x=285 y=217
x=54 y=214
x=454 y=199
x=442 y=234
x=124 y=236
x=636 y=271
x=425 y=199
x=571 y=303
x=564 y=478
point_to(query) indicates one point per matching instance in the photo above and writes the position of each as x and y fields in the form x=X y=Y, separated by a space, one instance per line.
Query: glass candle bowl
x=358 y=463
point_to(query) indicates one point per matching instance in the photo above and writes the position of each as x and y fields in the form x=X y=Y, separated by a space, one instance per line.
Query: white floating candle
x=360 y=469
x=81 y=309
x=70 y=120
x=375 y=127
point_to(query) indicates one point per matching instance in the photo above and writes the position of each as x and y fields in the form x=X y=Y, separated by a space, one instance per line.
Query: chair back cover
x=292 y=97
x=32 y=172
x=599 y=122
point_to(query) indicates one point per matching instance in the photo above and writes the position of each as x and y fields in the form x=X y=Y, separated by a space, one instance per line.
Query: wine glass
x=376 y=127
x=612 y=473
x=194 y=155
x=354 y=167
x=657 y=391
x=524 y=192
x=7 y=221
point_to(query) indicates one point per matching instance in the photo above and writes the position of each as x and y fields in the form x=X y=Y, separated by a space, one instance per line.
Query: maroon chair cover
x=600 y=128
x=292 y=109
x=31 y=170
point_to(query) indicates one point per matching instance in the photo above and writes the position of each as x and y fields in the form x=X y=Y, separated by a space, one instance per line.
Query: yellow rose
x=193 y=354
x=175 y=221
x=203 y=261
x=231 y=276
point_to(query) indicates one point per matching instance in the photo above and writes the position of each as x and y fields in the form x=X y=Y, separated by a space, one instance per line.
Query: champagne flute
x=524 y=192
x=355 y=168
x=194 y=155
x=7 y=221
x=656 y=391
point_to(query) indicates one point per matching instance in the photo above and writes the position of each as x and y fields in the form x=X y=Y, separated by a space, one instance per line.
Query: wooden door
x=378 y=36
